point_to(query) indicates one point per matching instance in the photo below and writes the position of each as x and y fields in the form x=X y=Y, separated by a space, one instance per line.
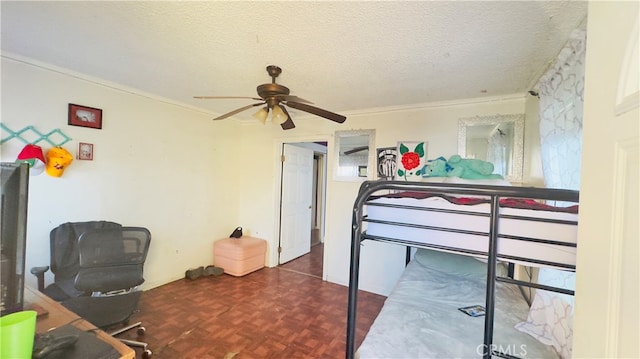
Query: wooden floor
x=271 y=313
x=310 y=264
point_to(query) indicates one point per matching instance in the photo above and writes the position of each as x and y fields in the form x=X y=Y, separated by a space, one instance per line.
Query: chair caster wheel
x=146 y=354
x=141 y=330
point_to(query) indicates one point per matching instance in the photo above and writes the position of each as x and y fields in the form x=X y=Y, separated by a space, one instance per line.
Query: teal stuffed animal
x=459 y=167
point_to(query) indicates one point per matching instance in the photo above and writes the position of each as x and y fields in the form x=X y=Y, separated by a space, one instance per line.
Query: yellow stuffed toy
x=57 y=160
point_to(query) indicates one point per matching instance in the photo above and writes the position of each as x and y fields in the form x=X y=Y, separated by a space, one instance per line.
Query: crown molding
x=133 y=91
x=99 y=81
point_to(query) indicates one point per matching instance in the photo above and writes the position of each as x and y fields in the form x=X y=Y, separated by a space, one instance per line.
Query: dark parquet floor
x=310 y=264
x=271 y=313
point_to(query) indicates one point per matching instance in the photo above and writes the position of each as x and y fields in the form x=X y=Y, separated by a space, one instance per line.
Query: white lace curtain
x=561 y=92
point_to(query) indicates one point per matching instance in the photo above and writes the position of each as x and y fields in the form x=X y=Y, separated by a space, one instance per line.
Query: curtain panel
x=561 y=91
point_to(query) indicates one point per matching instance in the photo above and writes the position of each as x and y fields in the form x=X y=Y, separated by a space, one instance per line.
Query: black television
x=13 y=235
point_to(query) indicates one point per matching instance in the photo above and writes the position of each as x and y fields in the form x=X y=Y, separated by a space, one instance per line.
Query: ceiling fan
x=275 y=97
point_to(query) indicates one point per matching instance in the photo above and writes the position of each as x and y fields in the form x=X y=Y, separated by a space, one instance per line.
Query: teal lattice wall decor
x=29 y=135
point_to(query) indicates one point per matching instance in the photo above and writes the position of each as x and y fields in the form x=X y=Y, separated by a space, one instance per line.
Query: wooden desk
x=59 y=316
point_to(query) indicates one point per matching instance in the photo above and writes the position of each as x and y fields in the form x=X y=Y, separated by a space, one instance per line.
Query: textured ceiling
x=343 y=56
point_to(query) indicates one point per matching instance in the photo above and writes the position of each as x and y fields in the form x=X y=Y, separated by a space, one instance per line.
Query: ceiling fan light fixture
x=277 y=115
x=274 y=96
x=262 y=114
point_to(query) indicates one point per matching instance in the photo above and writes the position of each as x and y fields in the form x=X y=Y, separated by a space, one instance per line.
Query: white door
x=607 y=319
x=295 y=211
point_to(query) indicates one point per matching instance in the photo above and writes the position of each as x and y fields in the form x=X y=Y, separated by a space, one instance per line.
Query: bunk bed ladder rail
x=356 y=239
x=491 y=279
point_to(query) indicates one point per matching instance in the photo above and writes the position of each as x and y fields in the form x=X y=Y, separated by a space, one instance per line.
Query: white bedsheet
x=515 y=227
x=420 y=319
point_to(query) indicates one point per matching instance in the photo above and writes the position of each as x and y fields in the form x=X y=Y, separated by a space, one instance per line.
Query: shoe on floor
x=194 y=273
x=213 y=270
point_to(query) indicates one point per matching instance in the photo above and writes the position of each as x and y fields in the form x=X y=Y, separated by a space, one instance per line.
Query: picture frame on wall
x=85 y=116
x=411 y=159
x=386 y=162
x=85 y=151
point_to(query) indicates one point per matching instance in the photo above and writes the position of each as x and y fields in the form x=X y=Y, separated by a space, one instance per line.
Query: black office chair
x=63 y=242
x=111 y=262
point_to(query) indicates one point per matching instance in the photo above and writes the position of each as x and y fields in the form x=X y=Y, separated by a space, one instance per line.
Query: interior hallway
x=310 y=263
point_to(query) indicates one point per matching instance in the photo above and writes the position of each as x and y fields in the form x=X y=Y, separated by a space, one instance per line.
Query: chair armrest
x=39 y=273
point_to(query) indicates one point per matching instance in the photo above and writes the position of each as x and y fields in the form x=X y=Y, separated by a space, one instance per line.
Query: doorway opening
x=302 y=207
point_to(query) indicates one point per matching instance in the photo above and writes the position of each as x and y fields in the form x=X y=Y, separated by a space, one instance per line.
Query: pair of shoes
x=213 y=270
x=194 y=273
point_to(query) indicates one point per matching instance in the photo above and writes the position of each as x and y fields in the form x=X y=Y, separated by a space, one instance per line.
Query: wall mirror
x=498 y=139
x=355 y=155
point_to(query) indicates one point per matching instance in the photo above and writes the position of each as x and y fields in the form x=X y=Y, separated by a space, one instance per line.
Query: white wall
x=381 y=264
x=156 y=165
x=191 y=181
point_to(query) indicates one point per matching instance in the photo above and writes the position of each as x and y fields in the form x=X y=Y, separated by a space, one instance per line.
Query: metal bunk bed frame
x=494 y=193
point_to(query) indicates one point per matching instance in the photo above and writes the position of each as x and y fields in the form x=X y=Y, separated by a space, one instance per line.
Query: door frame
x=296 y=205
x=273 y=257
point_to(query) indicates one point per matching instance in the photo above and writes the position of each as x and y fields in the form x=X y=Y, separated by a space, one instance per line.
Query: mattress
x=405 y=219
x=421 y=319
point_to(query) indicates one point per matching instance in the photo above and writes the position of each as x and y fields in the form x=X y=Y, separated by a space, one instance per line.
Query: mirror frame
x=518 y=138
x=370 y=158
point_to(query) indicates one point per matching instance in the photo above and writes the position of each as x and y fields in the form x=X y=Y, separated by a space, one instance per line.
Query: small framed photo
x=386 y=162
x=84 y=116
x=85 y=151
x=362 y=171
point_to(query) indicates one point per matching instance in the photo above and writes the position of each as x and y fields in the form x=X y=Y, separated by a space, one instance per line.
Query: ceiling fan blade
x=356 y=150
x=292 y=98
x=317 y=111
x=226 y=97
x=288 y=124
x=238 y=111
